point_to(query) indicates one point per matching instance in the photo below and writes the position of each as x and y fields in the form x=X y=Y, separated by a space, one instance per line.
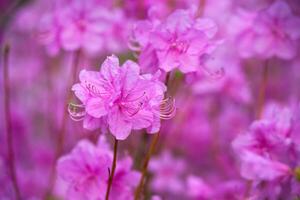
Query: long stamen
x=77 y=111
x=167 y=108
x=133 y=44
x=93 y=89
x=136 y=99
x=132 y=107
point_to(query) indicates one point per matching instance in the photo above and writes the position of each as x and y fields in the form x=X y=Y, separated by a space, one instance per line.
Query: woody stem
x=145 y=166
x=9 y=131
x=112 y=172
x=62 y=131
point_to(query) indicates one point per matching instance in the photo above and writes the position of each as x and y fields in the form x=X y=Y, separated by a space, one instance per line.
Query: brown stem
x=112 y=172
x=150 y=152
x=9 y=131
x=62 y=130
x=145 y=166
x=259 y=110
x=201 y=7
x=262 y=90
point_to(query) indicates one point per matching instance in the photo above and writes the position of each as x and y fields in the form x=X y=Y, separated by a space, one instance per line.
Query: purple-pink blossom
x=269 y=32
x=178 y=42
x=85 y=173
x=73 y=25
x=121 y=97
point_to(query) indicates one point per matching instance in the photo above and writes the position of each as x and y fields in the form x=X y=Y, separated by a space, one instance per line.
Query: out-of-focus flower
x=85 y=172
x=232 y=84
x=75 y=24
x=269 y=32
x=267 y=152
x=178 y=42
x=167 y=172
x=122 y=97
x=197 y=188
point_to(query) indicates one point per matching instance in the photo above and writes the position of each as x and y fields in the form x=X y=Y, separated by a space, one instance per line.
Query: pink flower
x=232 y=83
x=73 y=25
x=167 y=172
x=270 y=32
x=197 y=188
x=85 y=173
x=121 y=97
x=267 y=152
x=259 y=168
x=178 y=42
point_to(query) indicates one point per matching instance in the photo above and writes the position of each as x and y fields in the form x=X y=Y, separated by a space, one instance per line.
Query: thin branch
x=145 y=166
x=9 y=130
x=63 y=128
x=112 y=172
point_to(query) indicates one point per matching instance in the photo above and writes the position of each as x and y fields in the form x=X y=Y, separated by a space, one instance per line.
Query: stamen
x=93 y=89
x=136 y=99
x=167 y=108
x=77 y=111
x=133 y=45
x=134 y=110
x=214 y=74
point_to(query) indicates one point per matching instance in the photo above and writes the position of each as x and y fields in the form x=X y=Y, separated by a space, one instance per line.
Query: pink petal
x=118 y=126
x=208 y=26
x=130 y=75
x=96 y=107
x=91 y=123
x=168 y=60
x=110 y=68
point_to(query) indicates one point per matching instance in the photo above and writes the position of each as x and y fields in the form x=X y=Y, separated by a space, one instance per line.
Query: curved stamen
x=76 y=111
x=93 y=89
x=134 y=110
x=136 y=99
x=167 y=108
x=133 y=44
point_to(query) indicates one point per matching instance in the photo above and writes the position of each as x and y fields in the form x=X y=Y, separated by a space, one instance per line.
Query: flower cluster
x=268 y=32
x=269 y=153
x=76 y=24
x=181 y=41
x=150 y=99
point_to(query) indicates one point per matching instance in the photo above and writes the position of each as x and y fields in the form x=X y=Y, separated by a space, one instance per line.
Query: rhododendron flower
x=75 y=24
x=121 y=97
x=232 y=83
x=167 y=172
x=269 y=32
x=197 y=188
x=85 y=172
x=266 y=152
x=178 y=42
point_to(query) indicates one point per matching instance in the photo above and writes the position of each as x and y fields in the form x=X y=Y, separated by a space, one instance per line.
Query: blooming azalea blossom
x=178 y=42
x=168 y=172
x=121 y=97
x=269 y=32
x=75 y=24
x=264 y=150
x=85 y=172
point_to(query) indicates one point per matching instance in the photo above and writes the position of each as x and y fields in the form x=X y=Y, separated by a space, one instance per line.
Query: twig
x=112 y=171
x=9 y=131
